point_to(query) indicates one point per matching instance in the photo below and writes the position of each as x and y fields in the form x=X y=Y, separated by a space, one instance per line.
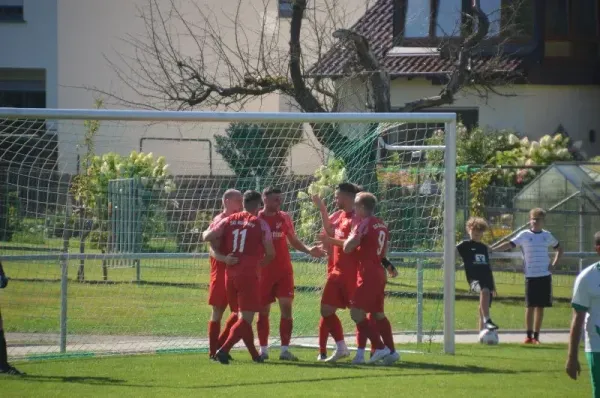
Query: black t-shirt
x=476 y=260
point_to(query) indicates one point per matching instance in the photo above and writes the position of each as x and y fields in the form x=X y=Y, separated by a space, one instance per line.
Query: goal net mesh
x=120 y=205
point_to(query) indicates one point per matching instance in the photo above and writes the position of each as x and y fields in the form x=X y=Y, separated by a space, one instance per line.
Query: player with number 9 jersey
x=243 y=235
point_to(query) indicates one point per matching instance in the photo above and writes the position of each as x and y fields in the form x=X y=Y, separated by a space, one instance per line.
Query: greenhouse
x=570 y=193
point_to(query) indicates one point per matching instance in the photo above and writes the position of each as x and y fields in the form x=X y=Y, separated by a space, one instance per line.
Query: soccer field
x=501 y=371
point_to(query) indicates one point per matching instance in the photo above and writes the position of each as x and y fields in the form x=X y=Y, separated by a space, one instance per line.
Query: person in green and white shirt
x=586 y=306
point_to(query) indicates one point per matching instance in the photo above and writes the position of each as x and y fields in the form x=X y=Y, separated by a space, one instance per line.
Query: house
x=556 y=56
x=52 y=49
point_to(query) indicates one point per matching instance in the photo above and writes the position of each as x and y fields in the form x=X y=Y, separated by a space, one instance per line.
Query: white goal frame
x=449 y=148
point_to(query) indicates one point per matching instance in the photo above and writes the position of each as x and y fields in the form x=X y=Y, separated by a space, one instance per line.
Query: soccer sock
x=373 y=322
x=365 y=328
x=231 y=320
x=235 y=335
x=323 y=335
x=262 y=326
x=248 y=338
x=3 y=352
x=214 y=328
x=530 y=334
x=285 y=331
x=335 y=327
x=360 y=353
x=361 y=339
x=385 y=329
x=536 y=335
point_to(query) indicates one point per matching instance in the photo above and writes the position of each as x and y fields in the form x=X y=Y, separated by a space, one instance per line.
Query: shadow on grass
x=90 y=380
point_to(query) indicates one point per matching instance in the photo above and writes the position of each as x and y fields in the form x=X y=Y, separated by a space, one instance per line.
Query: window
x=11 y=10
x=285 y=8
x=514 y=18
x=568 y=19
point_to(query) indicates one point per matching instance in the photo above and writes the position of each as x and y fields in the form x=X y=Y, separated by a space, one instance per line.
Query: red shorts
x=338 y=290
x=369 y=295
x=274 y=288
x=217 y=294
x=243 y=292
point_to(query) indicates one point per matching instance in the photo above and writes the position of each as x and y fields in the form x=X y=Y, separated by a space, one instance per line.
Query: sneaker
x=391 y=359
x=287 y=356
x=536 y=342
x=11 y=370
x=222 y=357
x=490 y=325
x=337 y=355
x=358 y=360
x=379 y=355
x=321 y=357
x=259 y=359
x=528 y=340
x=264 y=355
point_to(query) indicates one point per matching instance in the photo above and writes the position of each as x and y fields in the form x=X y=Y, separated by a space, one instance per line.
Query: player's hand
x=230 y=259
x=3 y=281
x=392 y=272
x=573 y=368
x=317 y=252
x=494 y=293
x=316 y=199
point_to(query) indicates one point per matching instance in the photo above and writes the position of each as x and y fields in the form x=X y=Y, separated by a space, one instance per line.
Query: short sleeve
x=266 y=230
x=552 y=241
x=334 y=219
x=519 y=239
x=461 y=248
x=581 y=301
x=219 y=227
x=359 y=228
x=288 y=224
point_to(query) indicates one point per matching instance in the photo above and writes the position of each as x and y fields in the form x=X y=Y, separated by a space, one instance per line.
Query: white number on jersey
x=239 y=235
x=381 y=242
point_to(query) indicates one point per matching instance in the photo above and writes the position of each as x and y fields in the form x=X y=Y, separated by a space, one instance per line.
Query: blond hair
x=538 y=212
x=478 y=224
x=367 y=200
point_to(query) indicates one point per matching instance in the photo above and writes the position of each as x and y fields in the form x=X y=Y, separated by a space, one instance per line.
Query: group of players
x=251 y=268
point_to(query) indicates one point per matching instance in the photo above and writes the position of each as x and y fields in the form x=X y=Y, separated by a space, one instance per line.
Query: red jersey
x=215 y=264
x=242 y=235
x=343 y=263
x=374 y=237
x=281 y=227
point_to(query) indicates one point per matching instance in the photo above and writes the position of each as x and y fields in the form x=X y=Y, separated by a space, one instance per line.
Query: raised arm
x=327 y=226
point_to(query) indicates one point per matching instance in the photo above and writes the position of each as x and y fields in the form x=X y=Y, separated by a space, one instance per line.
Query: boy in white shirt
x=534 y=244
x=586 y=306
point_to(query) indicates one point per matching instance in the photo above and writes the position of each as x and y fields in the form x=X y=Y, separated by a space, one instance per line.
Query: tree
x=228 y=70
x=257 y=151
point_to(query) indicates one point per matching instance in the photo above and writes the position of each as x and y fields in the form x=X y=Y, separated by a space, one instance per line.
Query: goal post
x=144 y=214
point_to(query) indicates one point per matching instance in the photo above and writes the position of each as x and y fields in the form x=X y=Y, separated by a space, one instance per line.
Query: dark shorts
x=480 y=279
x=538 y=292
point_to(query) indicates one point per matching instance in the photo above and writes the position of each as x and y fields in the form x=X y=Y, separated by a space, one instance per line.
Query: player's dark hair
x=348 y=187
x=270 y=190
x=358 y=188
x=597 y=238
x=252 y=200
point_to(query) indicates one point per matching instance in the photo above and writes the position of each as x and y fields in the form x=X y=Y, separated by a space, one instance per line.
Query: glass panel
x=417 y=18
x=557 y=18
x=449 y=18
x=586 y=15
x=492 y=8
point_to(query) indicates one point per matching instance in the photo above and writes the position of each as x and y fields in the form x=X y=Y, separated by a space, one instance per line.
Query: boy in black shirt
x=5 y=367
x=476 y=259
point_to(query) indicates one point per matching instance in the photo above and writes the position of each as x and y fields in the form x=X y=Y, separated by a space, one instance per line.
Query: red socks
x=214 y=328
x=242 y=330
x=386 y=333
x=285 y=331
x=361 y=339
x=335 y=327
x=231 y=320
x=262 y=327
x=367 y=331
x=323 y=335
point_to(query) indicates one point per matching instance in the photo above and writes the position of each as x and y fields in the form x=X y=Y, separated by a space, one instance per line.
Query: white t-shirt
x=586 y=297
x=534 y=246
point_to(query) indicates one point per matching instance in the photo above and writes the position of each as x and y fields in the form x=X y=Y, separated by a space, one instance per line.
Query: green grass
x=158 y=308
x=501 y=371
